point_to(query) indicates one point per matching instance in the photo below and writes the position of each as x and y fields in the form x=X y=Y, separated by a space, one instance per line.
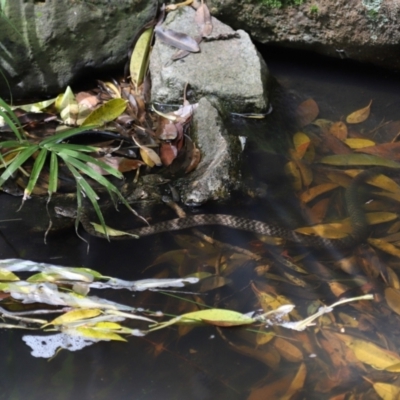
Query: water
x=202 y=363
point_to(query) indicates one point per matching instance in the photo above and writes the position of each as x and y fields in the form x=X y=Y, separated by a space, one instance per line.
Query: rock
x=230 y=69
x=61 y=40
x=363 y=30
x=218 y=172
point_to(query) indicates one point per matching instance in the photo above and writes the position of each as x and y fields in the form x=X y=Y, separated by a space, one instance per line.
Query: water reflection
x=203 y=363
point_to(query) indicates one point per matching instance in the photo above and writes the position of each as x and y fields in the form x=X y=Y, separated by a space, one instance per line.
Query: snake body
x=355 y=210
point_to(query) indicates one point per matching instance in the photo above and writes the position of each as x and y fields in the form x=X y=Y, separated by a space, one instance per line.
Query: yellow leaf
x=62 y=100
x=293 y=172
x=385 y=246
x=355 y=159
x=357 y=143
x=107 y=325
x=380 y=181
x=6 y=275
x=387 y=391
x=360 y=115
x=111 y=231
x=288 y=350
x=297 y=383
x=140 y=57
x=369 y=353
x=105 y=113
x=315 y=191
x=150 y=157
x=98 y=335
x=219 y=317
x=301 y=142
x=392 y=297
x=73 y=316
x=36 y=107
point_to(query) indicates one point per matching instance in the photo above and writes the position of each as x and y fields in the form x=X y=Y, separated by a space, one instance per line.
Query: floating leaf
x=360 y=115
x=218 y=317
x=140 y=57
x=338 y=129
x=358 y=159
x=177 y=39
x=92 y=333
x=111 y=231
x=6 y=275
x=73 y=316
x=105 y=113
x=306 y=112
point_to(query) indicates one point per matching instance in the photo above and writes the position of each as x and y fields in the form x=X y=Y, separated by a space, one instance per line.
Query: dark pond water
x=201 y=363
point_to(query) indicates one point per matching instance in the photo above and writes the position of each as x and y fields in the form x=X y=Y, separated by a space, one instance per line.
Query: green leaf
x=75 y=315
x=140 y=57
x=358 y=159
x=17 y=162
x=36 y=107
x=36 y=169
x=59 y=137
x=73 y=154
x=106 y=112
x=6 y=275
x=53 y=175
x=11 y=119
x=98 y=335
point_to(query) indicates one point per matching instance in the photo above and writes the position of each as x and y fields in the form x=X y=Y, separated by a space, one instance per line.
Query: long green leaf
x=84 y=187
x=89 y=172
x=84 y=157
x=36 y=170
x=106 y=112
x=53 y=175
x=75 y=147
x=17 y=162
x=12 y=143
x=11 y=119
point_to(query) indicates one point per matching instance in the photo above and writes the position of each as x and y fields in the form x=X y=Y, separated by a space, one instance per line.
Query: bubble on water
x=46 y=346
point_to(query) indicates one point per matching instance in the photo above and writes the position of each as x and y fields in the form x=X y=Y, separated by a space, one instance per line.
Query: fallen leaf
x=339 y=130
x=312 y=193
x=177 y=39
x=360 y=115
x=385 y=246
x=358 y=159
x=301 y=143
x=387 y=391
x=106 y=112
x=357 y=143
x=385 y=150
x=306 y=112
x=203 y=20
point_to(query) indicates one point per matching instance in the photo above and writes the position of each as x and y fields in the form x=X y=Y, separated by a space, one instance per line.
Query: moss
x=314 y=9
x=280 y=3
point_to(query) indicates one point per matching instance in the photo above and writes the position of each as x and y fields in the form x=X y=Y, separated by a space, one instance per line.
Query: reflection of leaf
x=360 y=115
x=177 y=39
x=307 y=111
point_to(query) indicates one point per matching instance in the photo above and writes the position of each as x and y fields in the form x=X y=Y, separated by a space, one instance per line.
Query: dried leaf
x=106 y=112
x=360 y=115
x=297 y=383
x=339 y=130
x=380 y=181
x=387 y=391
x=288 y=350
x=203 y=20
x=385 y=150
x=177 y=39
x=301 y=143
x=150 y=157
x=358 y=159
x=385 y=246
x=306 y=112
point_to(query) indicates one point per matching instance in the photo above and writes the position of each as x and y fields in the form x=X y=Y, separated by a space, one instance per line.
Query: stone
x=218 y=172
x=52 y=43
x=230 y=69
x=362 y=30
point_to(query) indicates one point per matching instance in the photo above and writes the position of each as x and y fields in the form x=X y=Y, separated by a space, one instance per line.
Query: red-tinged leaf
x=385 y=150
x=307 y=111
x=331 y=144
x=168 y=153
x=127 y=164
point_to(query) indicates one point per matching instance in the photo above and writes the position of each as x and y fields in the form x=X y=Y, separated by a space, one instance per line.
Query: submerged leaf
x=338 y=129
x=360 y=115
x=307 y=111
x=358 y=159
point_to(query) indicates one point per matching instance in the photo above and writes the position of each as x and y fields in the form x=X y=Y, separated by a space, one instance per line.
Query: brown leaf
x=177 y=39
x=203 y=20
x=339 y=130
x=360 y=115
x=306 y=112
x=385 y=150
x=288 y=350
x=315 y=191
x=168 y=153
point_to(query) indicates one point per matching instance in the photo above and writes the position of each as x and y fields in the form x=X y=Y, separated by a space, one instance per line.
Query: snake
x=355 y=211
